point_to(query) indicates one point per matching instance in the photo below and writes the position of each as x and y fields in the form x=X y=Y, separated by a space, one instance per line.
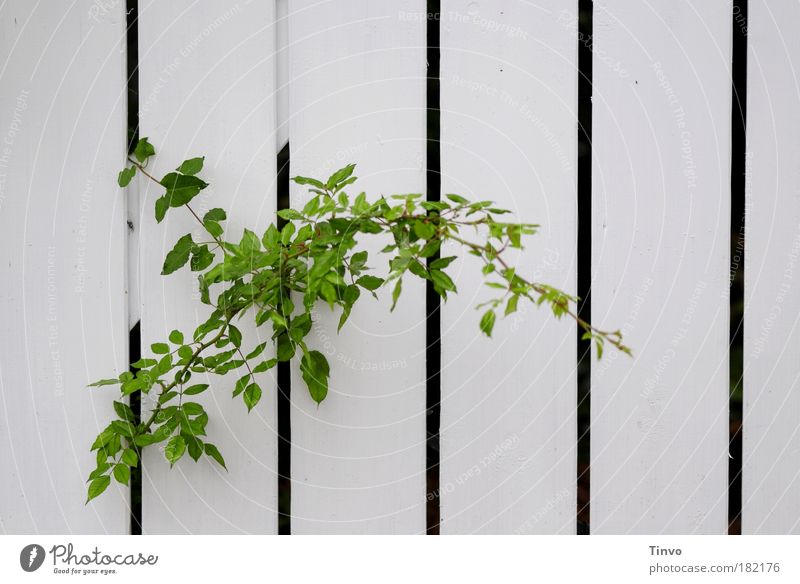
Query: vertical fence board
x=660 y=249
x=207 y=83
x=771 y=472
x=357 y=94
x=62 y=258
x=509 y=134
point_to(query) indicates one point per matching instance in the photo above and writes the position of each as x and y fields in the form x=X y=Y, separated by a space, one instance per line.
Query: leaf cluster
x=277 y=277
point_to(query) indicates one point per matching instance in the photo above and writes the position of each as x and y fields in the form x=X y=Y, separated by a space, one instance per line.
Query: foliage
x=277 y=277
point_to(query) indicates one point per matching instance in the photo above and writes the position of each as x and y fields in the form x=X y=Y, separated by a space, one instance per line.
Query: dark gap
x=284 y=384
x=584 y=243
x=134 y=354
x=738 y=166
x=433 y=329
x=132 y=41
x=134 y=336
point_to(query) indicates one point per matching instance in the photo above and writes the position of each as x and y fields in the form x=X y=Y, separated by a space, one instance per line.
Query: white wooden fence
x=346 y=81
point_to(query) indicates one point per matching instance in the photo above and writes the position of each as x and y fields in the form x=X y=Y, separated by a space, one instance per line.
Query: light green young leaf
x=160 y=348
x=487 y=322
x=398 y=289
x=130 y=457
x=97 y=486
x=175 y=449
x=122 y=473
x=103 y=382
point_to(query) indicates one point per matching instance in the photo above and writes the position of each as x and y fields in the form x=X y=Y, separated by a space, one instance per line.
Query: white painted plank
x=509 y=134
x=660 y=250
x=207 y=84
x=62 y=259
x=771 y=469
x=357 y=94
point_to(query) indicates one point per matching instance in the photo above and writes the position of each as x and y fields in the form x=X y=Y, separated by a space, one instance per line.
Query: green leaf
x=143 y=150
x=215 y=214
x=122 y=473
x=398 y=289
x=124 y=411
x=311 y=207
x=103 y=382
x=204 y=291
x=195 y=389
x=162 y=204
x=160 y=348
x=192 y=166
x=289 y=214
x=102 y=439
x=176 y=337
x=256 y=352
x=457 y=199
x=193 y=408
x=130 y=457
x=265 y=366
x=286 y=233
x=97 y=486
x=179 y=255
x=143 y=440
x=511 y=305
x=285 y=350
x=304 y=180
x=214 y=453
x=487 y=322
x=125 y=176
x=442 y=281
x=211 y=221
x=241 y=385
x=316 y=370
x=175 y=449
x=249 y=242
x=339 y=176
x=142 y=363
x=181 y=188
x=442 y=263
x=424 y=230
x=202 y=257
x=122 y=428
x=370 y=282
x=271 y=237
x=252 y=395
x=102 y=468
x=166 y=397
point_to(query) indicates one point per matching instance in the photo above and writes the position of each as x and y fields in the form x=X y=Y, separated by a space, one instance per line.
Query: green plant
x=277 y=278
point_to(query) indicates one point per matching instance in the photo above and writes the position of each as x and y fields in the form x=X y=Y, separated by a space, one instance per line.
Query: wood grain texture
x=207 y=87
x=62 y=260
x=660 y=258
x=771 y=471
x=509 y=134
x=357 y=94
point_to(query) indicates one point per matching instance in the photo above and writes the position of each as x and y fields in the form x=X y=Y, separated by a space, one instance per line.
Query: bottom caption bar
x=370 y=559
